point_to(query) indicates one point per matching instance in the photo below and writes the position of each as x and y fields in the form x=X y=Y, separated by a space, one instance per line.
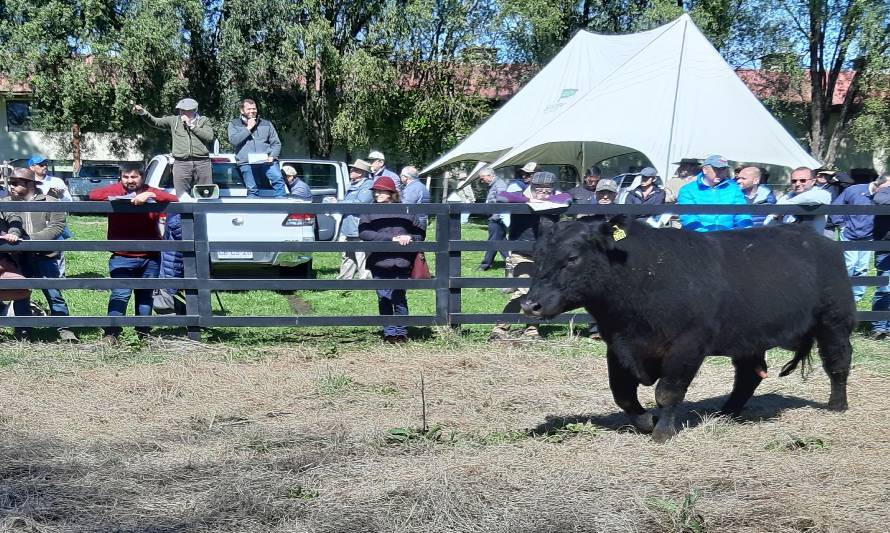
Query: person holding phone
x=257 y=148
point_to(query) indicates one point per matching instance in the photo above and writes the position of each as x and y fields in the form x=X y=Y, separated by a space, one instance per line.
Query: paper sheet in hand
x=253 y=159
x=546 y=206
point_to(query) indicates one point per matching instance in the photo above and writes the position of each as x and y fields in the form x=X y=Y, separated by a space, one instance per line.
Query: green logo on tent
x=567 y=93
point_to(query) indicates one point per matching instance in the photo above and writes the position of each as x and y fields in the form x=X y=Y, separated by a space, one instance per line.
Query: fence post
x=202 y=257
x=451 y=230
x=189 y=268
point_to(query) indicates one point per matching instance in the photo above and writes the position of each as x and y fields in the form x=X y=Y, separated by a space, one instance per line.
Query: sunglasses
x=802 y=180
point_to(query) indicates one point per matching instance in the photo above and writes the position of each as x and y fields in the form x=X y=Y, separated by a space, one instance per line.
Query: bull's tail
x=801 y=355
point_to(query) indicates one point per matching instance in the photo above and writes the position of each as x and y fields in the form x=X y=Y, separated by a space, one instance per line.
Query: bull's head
x=573 y=266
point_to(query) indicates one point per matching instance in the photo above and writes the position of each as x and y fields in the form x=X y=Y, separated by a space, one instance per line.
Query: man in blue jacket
x=713 y=186
x=257 y=148
x=881 y=300
x=857 y=228
x=358 y=192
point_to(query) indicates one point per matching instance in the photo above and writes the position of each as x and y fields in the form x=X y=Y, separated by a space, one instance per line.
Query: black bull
x=666 y=299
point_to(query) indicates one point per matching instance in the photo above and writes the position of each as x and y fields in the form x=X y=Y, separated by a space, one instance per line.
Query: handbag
x=9 y=270
x=420 y=269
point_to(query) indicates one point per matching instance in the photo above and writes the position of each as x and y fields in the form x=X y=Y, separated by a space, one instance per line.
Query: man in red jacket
x=131 y=227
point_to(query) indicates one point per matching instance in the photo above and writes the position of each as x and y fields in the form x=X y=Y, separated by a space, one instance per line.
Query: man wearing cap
x=645 y=189
x=46 y=184
x=378 y=166
x=191 y=134
x=44 y=226
x=526 y=228
x=713 y=186
x=521 y=182
x=586 y=192
x=497 y=222
x=686 y=171
x=55 y=187
x=358 y=192
x=296 y=187
x=257 y=148
x=804 y=192
x=748 y=179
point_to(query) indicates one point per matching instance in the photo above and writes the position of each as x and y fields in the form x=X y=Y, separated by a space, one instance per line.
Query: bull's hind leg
x=836 y=354
x=677 y=374
x=749 y=372
x=624 y=387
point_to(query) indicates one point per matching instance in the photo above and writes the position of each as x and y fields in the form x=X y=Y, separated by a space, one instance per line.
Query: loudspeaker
x=205 y=192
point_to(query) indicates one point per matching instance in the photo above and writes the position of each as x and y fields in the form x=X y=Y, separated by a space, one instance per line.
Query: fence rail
x=445 y=244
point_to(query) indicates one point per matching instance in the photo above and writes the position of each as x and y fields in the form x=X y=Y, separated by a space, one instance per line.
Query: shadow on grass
x=96 y=490
x=760 y=408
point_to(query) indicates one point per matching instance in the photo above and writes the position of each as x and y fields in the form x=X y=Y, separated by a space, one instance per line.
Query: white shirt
x=52 y=182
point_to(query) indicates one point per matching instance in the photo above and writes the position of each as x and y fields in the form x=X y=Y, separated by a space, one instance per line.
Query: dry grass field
x=180 y=437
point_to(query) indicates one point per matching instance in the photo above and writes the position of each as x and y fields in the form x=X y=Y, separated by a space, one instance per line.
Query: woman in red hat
x=403 y=229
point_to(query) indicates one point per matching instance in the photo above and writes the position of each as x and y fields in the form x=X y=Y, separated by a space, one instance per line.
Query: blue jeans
x=392 y=301
x=857 y=265
x=497 y=231
x=35 y=266
x=273 y=174
x=120 y=266
x=881 y=300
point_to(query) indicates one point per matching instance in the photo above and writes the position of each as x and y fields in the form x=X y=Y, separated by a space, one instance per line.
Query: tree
x=88 y=61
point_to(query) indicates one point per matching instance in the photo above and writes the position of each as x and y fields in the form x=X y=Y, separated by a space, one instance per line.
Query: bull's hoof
x=660 y=436
x=644 y=423
x=835 y=405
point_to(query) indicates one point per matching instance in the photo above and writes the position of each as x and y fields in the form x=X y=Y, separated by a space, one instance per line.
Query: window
x=18 y=115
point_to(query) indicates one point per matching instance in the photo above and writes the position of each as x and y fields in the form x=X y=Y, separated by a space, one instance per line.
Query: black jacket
x=382 y=228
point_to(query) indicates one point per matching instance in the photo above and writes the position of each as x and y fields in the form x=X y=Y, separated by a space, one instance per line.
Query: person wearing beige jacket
x=42 y=264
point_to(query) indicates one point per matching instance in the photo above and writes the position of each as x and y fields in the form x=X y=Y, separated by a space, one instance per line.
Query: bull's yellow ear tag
x=618 y=233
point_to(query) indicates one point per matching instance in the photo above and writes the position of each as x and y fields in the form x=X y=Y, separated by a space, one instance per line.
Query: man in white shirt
x=804 y=192
x=46 y=184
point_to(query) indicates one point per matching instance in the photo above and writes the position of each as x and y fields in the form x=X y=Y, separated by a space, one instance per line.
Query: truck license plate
x=235 y=255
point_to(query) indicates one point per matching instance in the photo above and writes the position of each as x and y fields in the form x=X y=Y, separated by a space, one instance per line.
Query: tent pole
x=670 y=149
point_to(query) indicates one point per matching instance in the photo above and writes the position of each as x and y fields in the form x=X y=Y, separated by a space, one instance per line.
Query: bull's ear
x=603 y=235
x=620 y=220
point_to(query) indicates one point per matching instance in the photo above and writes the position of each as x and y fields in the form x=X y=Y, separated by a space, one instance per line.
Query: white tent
x=666 y=93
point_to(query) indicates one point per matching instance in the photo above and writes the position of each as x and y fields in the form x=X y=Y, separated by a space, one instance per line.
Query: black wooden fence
x=445 y=244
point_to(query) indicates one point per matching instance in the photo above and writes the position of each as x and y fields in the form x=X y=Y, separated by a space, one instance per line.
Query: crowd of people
x=257 y=148
x=699 y=182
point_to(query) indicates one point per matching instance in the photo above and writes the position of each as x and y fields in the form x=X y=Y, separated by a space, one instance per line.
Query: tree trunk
x=75 y=146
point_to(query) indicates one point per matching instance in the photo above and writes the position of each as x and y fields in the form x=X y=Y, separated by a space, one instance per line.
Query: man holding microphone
x=191 y=134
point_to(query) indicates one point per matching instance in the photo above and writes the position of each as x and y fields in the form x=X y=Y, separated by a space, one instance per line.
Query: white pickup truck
x=327 y=179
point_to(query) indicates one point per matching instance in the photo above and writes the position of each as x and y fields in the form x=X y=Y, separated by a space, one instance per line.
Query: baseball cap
x=530 y=167
x=187 y=104
x=375 y=155
x=543 y=178
x=607 y=185
x=35 y=160
x=648 y=172
x=289 y=170
x=716 y=161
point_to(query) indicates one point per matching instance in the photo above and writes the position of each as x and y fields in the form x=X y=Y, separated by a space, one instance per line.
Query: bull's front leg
x=624 y=387
x=677 y=374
